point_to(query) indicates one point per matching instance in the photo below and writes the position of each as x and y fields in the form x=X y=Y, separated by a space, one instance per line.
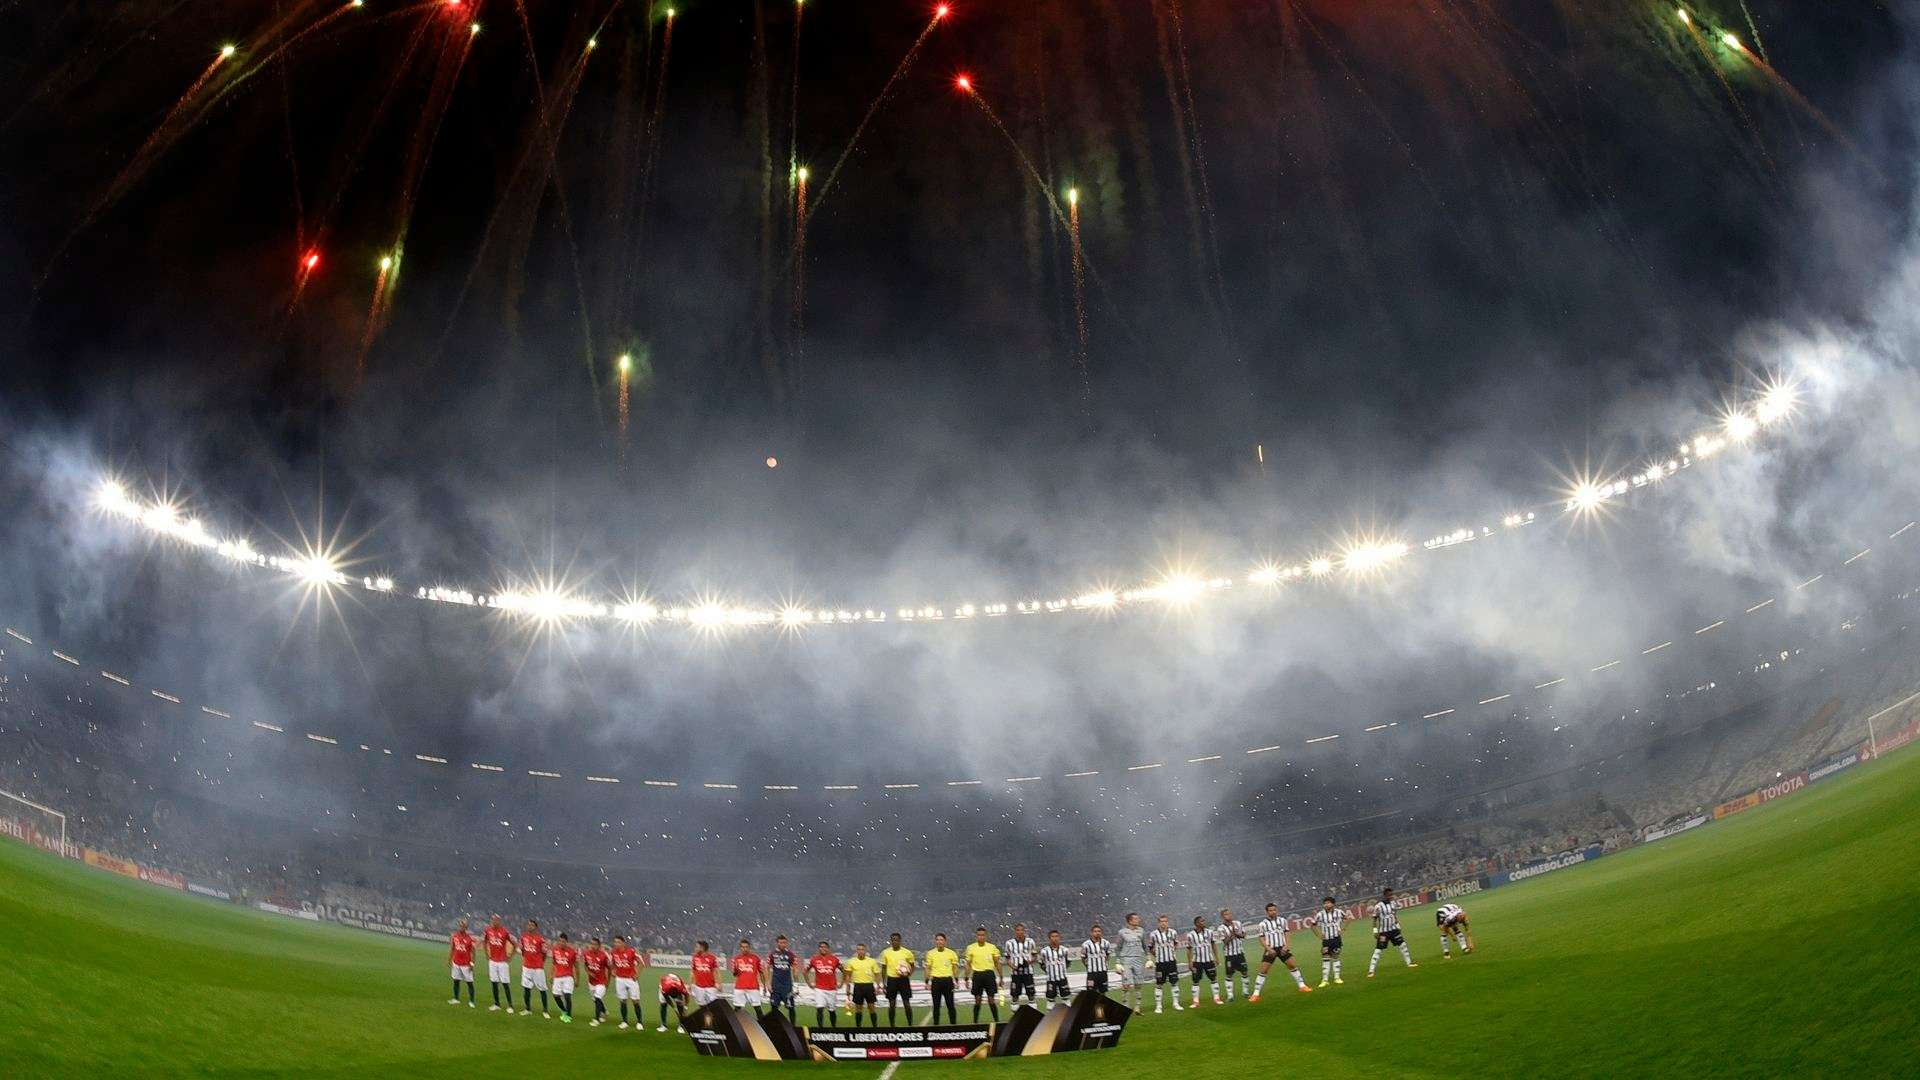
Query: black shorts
x=864 y=994
x=1097 y=981
x=1330 y=947
x=1204 y=968
x=1022 y=981
x=1390 y=937
x=782 y=993
x=941 y=987
x=1281 y=954
x=1459 y=924
x=1237 y=963
x=1166 y=971
x=899 y=987
x=1056 y=988
x=985 y=984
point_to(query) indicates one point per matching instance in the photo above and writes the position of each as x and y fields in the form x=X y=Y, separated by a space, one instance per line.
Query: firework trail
x=446 y=77
x=1754 y=29
x=143 y=158
x=1713 y=64
x=377 y=311
x=625 y=368
x=87 y=61
x=1197 y=145
x=1793 y=94
x=964 y=84
x=760 y=105
x=1079 y=306
x=798 y=316
x=658 y=119
x=899 y=71
x=793 y=96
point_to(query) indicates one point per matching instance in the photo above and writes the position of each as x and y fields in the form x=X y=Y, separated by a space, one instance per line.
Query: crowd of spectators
x=423 y=855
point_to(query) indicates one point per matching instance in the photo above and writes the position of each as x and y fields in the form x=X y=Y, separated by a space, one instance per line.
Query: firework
x=1079 y=304
x=798 y=315
x=624 y=367
x=886 y=91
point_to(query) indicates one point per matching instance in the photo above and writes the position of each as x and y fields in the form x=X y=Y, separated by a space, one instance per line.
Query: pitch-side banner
x=1090 y=1021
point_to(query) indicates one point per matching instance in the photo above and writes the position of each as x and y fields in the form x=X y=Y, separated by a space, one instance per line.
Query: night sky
x=1431 y=259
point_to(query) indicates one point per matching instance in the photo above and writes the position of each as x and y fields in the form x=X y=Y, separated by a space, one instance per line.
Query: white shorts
x=744 y=999
x=626 y=989
x=463 y=972
x=563 y=984
x=498 y=971
x=533 y=978
x=823 y=999
x=705 y=995
x=599 y=991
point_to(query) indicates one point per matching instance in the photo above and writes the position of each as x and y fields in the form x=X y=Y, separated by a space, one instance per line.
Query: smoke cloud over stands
x=1413 y=349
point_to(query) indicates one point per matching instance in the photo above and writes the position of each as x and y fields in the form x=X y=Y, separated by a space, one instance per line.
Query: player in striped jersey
x=1273 y=936
x=1096 y=953
x=1200 y=959
x=1326 y=926
x=1386 y=931
x=1452 y=920
x=1132 y=962
x=1166 y=961
x=1233 y=951
x=1020 y=952
x=1056 y=959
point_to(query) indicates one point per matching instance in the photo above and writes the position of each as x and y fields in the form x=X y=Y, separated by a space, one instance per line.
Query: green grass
x=1779 y=941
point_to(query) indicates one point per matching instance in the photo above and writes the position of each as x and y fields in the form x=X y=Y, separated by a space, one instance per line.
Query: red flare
x=965 y=83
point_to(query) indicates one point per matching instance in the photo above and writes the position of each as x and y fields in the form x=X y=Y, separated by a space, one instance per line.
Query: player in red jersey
x=499 y=942
x=706 y=970
x=672 y=990
x=533 y=969
x=747 y=968
x=566 y=961
x=823 y=970
x=594 y=958
x=460 y=955
x=626 y=980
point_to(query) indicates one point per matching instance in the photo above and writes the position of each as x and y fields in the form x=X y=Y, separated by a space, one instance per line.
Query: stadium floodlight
x=708 y=615
x=1180 y=588
x=1739 y=426
x=1264 y=574
x=793 y=617
x=1777 y=401
x=111 y=495
x=1587 y=497
x=315 y=570
x=636 y=612
x=1320 y=567
x=1367 y=557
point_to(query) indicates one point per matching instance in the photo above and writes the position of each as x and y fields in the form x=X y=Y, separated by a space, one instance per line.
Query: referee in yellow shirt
x=983 y=970
x=942 y=965
x=862 y=972
x=898 y=963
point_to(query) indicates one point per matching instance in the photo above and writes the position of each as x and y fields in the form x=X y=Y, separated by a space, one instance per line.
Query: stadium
x=684 y=538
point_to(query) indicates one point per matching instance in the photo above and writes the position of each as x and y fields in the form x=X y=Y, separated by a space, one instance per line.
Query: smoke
x=934 y=470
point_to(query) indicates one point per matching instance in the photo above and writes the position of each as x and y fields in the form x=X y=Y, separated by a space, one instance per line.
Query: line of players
x=1213 y=954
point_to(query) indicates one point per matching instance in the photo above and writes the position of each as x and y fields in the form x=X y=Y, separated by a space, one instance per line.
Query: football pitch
x=1778 y=941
